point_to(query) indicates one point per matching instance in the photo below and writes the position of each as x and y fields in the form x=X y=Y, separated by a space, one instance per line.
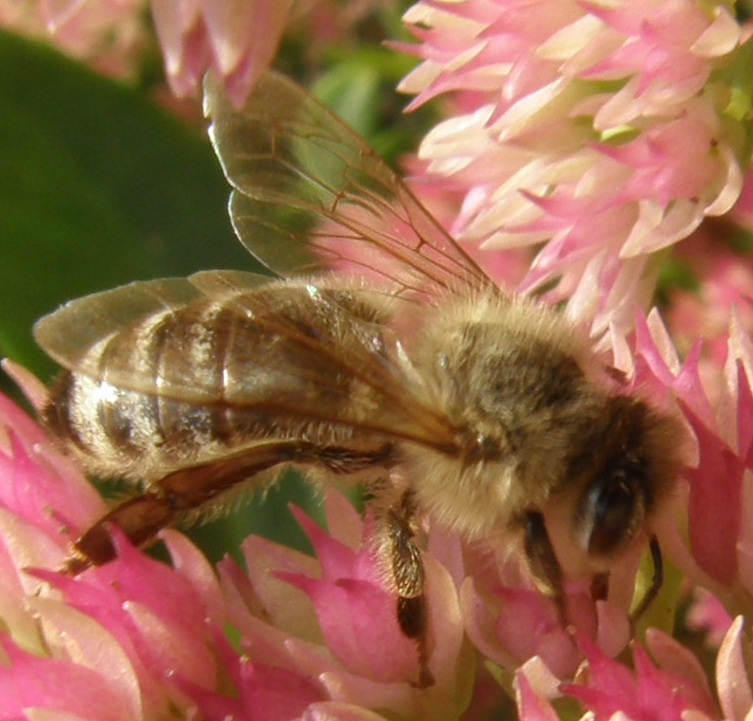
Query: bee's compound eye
x=611 y=510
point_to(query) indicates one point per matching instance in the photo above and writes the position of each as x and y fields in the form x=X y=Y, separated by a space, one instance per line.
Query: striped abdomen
x=185 y=385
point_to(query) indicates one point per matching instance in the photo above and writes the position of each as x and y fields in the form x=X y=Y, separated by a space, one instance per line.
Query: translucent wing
x=282 y=350
x=310 y=195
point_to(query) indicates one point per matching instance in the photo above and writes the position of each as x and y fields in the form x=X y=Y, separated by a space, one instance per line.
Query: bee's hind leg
x=140 y=518
x=171 y=498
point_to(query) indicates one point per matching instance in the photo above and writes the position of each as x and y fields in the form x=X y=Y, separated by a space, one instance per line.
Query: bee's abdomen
x=119 y=432
x=184 y=386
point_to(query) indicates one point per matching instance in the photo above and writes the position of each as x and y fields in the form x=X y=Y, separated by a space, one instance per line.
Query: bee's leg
x=142 y=517
x=407 y=571
x=170 y=498
x=600 y=586
x=656 y=580
x=543 y=561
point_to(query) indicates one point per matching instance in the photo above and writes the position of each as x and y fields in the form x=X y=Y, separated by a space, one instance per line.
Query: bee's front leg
x=543 y=562
x=656 y=581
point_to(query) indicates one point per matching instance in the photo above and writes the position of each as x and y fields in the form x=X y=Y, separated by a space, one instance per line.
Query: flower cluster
x=604 y=131
x=719 y=545
x=137 y=638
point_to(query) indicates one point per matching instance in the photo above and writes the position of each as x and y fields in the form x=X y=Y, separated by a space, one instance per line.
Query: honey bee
x=381 y=354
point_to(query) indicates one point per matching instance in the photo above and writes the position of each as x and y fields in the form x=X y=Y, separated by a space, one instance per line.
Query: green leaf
x=98 y=187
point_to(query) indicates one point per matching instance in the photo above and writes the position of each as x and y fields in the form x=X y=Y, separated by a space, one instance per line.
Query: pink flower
x=510 y=622
x=237 y=39
x=666 y=691
x=724 y=285
x=733 y=674
x=317 y=637
x=713 y=503
x=602 y=131
x=111 y=643
x=666 y=683
x=333 y=621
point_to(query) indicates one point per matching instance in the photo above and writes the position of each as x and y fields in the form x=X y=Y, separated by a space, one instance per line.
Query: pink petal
x=172 y=20
x=344 y=523
x=214 y=706
x=76 y=637
x=707 y=615
x=446 y=631
x=244 y=36
x=679 y=663
x=275 y=694
x=732 y=675
x=614 y=628
x=36 y=478
x=359 y=622
x=532 y=707
x=37 y=494
x=744 y=420
x=29 y=682
x=24 y=546
x=285 y=606
x=714 y=504
x=611 y=686
x=169 y=650
x=194 y=566
x=34 y=390
x=337 y=560
x=528 y=625
x=154 y=614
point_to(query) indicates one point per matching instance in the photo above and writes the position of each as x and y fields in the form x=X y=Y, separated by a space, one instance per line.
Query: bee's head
x=625 y=467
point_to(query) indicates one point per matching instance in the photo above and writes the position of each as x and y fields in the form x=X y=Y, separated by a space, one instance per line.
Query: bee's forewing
x=69 y=333
x=266 y=354
x=311 y=195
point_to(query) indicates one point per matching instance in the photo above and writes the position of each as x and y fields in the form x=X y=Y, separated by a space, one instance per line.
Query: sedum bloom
x=113 y=643
x=725 y=287
x=140 y=639
x=605 y=130
x=671 y=687
x=666 y=683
